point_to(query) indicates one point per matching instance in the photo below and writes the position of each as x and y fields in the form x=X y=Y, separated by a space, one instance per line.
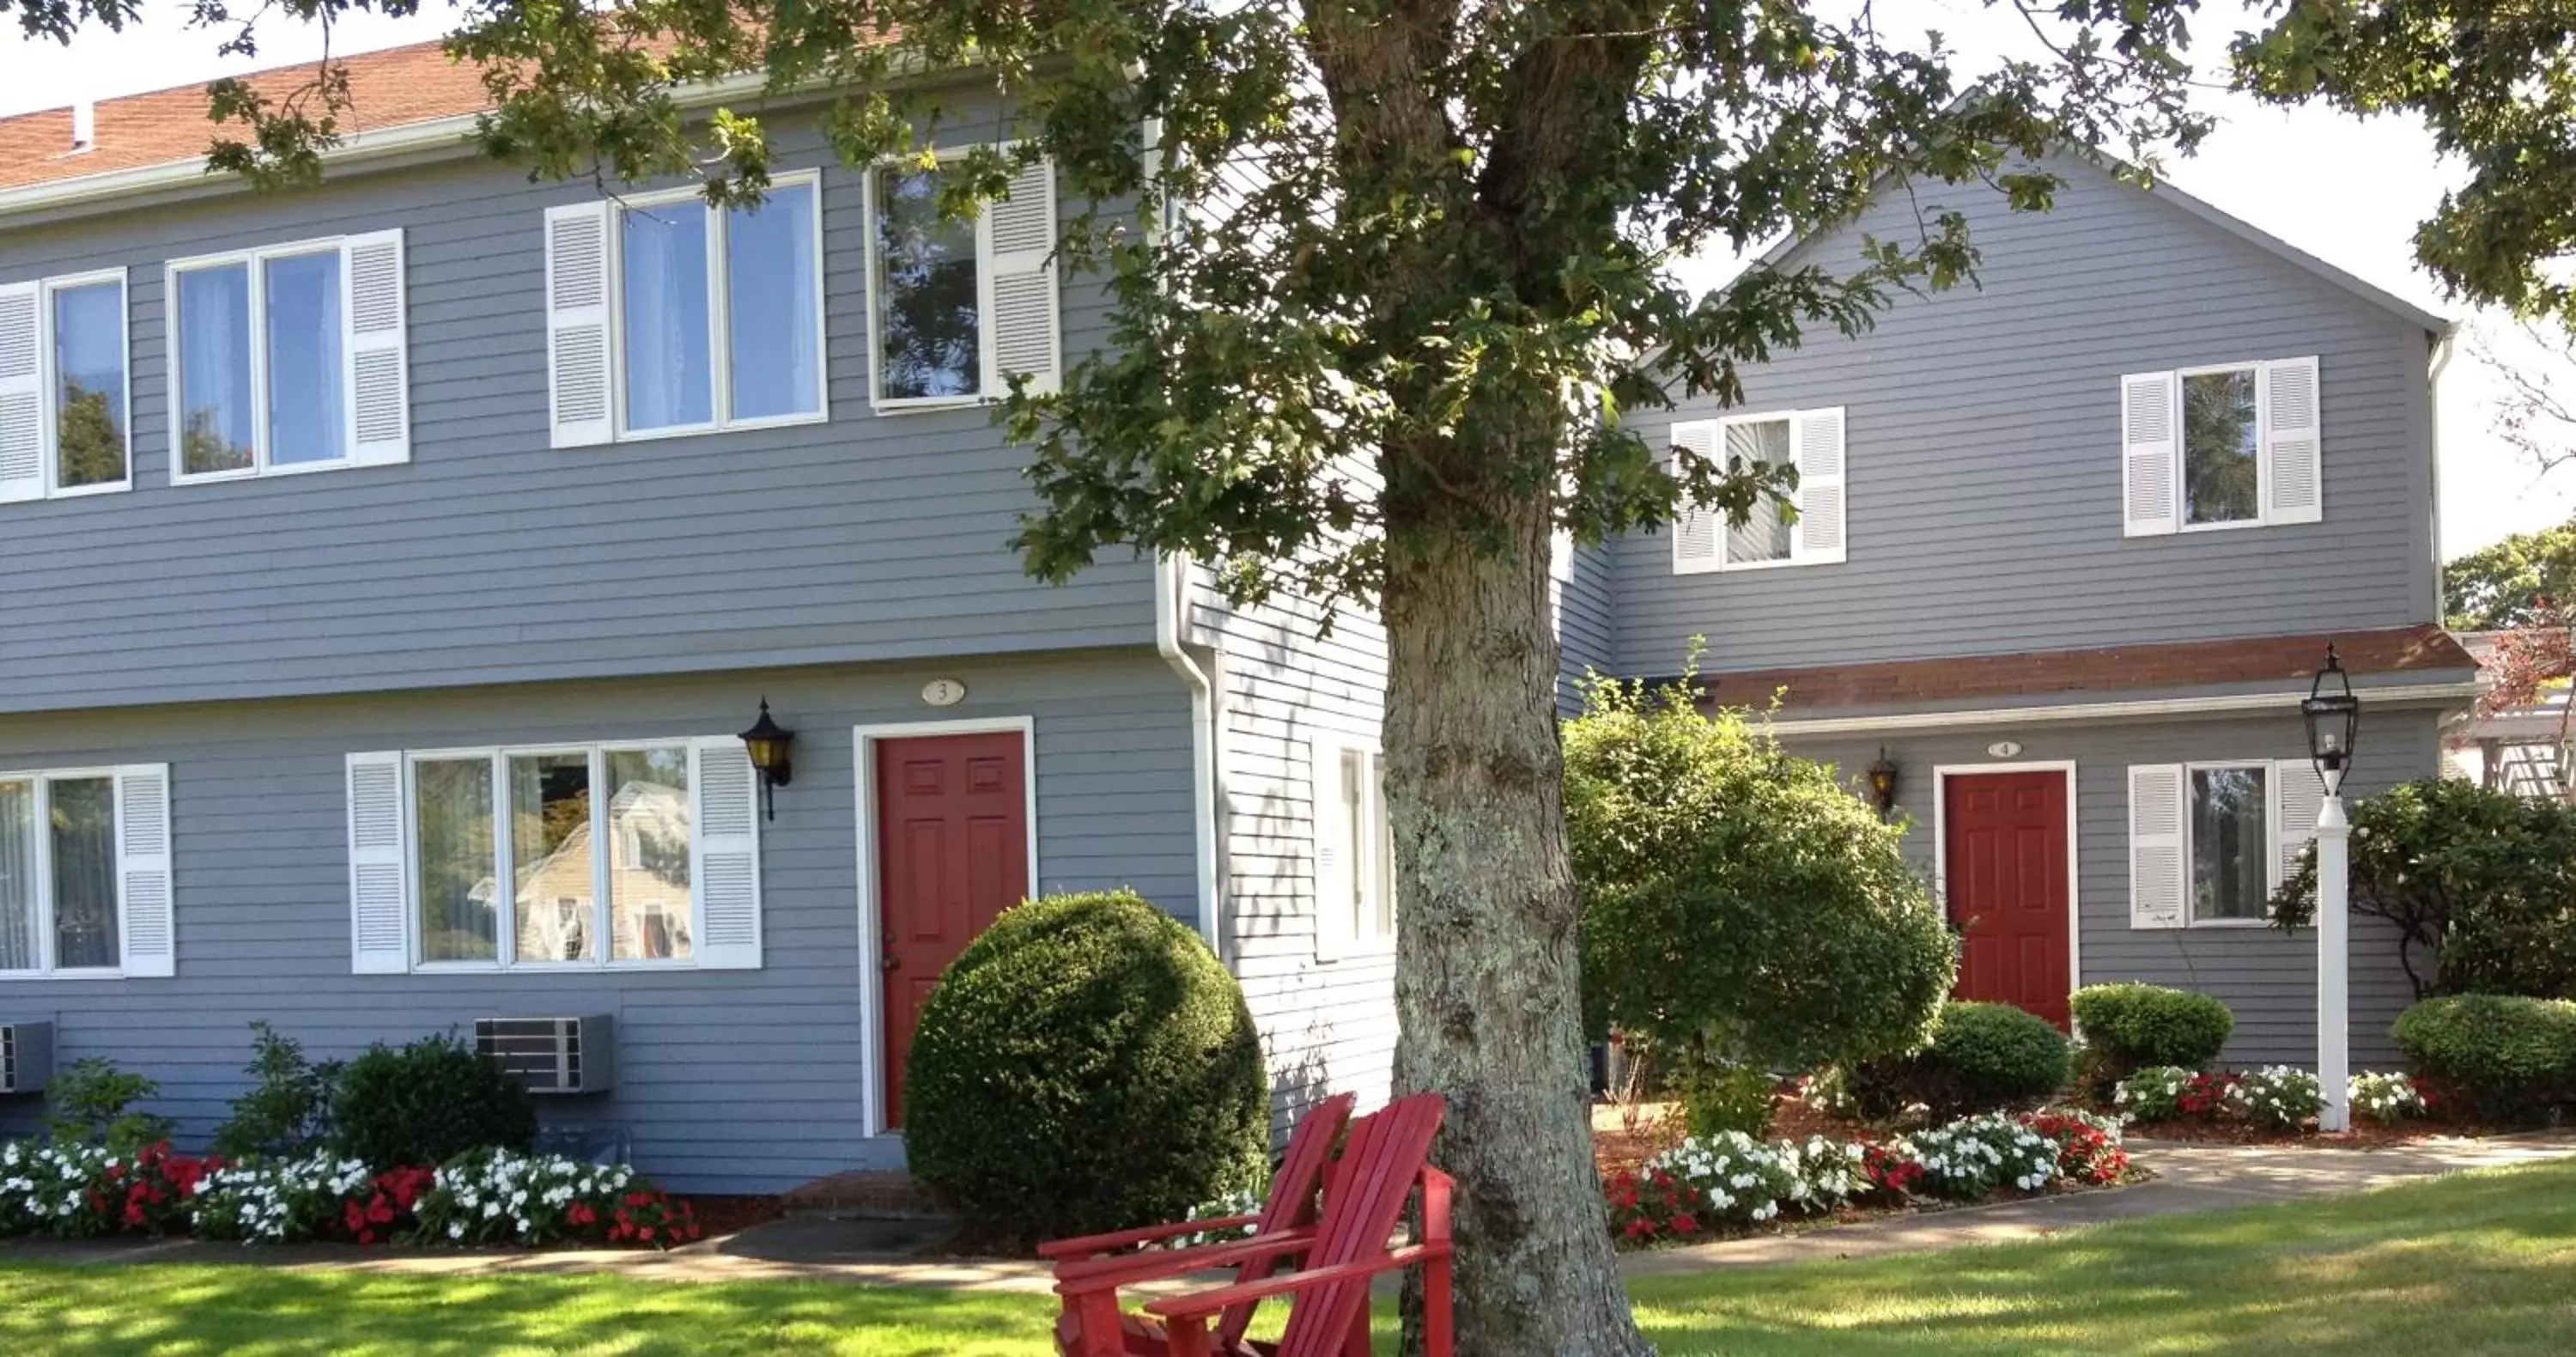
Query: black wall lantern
x=1882 y=783
x=2334 y=722
x=768 y=744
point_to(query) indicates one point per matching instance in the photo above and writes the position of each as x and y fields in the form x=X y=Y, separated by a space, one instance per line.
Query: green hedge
x=1983 y=1056
x=2512 y=1056
x=2130 y=1027
x=427 y=1102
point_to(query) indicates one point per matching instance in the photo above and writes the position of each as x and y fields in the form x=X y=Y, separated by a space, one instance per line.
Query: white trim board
x=1941 y=775
x=2108 y=711
x=864 y=740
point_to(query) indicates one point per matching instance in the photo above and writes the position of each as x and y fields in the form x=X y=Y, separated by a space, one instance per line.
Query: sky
x=2345 y=190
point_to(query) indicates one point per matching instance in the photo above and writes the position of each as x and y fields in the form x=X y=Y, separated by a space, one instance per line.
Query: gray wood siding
x=2267 y=977
x=727 y=1080
x=1984 y=454
x=490 y=557
x=1587 y=624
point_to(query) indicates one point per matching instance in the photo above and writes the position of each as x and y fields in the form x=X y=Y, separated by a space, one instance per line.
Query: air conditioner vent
x=553 y=1055
x=26 y=1056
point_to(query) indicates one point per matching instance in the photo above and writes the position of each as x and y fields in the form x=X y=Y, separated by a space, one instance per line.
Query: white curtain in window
x=17 y=876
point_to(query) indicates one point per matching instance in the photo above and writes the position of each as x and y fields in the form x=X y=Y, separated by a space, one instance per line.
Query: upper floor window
x=289 y=358
x=669 y=316
x=2221 y=447
x=65 y=404
x=1807 y=530
x=1354 y=849
x=958 y=307
x=85 y=872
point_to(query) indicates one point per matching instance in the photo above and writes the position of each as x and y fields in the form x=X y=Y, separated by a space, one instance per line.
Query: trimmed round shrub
x=1721 y=1098
x=2509 y=1055
x=1085 y=1065
x=425 y=1103
x=2130 y=1027
x=1983 y=1056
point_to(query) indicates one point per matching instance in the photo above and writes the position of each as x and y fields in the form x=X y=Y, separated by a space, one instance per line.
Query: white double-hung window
x=288 y=358
x=85 y=872
x=665 y=315
x=1805 y=530
x=640 y=853
x=65 y=400
x=2210 y=842
x=1353 y=848
x=2234 y=446
x=956 y=308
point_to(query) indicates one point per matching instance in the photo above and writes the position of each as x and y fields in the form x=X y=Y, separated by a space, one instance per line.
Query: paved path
x=888 y=1253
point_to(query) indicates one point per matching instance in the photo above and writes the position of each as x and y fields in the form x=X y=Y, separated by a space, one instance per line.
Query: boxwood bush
x=2130 y=1027
x=1983 y=1056
x=2509 y=1055
x=426 y=1103
x=1087 y=1064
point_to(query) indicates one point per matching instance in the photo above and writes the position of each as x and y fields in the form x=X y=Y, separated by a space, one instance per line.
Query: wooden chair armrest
x=1084 y=1246
x=1200 y=1304
x=1108 y=1274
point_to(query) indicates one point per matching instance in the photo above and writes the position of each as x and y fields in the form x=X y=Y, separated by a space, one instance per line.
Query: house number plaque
x=943 y=692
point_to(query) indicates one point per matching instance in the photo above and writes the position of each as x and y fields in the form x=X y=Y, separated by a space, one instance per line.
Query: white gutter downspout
x=1171 y=587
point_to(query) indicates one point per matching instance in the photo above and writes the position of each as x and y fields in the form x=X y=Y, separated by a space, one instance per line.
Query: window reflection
x=648 y=854
x=551 y=861
x=89 y=375
x=929 y=328
x=459 y=900
x=83 y=815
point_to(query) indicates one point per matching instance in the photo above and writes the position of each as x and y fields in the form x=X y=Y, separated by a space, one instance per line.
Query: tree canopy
x=2511 y=583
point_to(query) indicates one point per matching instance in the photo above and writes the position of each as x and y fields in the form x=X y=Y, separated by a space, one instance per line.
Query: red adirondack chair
x=1385 y=1160
x=1287 y=1218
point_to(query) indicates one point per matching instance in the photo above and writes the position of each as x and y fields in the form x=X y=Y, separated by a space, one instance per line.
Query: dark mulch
x=720 y=1215
x=2364 y=1134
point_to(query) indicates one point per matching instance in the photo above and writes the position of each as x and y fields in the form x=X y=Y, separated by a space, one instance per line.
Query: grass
x=2478 y=1263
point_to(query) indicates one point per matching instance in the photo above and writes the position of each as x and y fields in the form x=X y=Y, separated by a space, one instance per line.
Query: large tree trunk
x=1486 y=969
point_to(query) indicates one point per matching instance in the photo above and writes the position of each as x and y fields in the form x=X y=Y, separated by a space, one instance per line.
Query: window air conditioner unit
x=553 y=1055
x=26 y=1056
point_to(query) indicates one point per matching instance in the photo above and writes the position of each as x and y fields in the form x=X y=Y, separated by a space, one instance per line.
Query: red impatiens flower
x=579 y=1214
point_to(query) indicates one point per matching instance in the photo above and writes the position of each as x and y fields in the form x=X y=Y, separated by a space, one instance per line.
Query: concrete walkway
x=894 y=1253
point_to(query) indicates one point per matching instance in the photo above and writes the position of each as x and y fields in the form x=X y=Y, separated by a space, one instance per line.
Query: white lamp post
x=2334 y=719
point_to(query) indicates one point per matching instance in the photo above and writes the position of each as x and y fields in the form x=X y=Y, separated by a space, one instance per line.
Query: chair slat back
x=1383 y=1159
x=1292 y=1199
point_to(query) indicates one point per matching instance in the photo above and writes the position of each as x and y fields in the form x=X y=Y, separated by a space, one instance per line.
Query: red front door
x=952 y=853
x=2005 y=860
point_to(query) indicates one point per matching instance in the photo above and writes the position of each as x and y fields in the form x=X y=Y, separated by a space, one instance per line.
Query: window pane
x=2230 y=852
x=459 y=900
x=89 y=372
x=670 y=379
x=17 y=876
x=214 y=369
x=557 y=890
x=1765 y=535
x=648 y=854
x=1356 y=835
x=305 y=420
x=770 y=261
x=928 y=328
x=2218 y=447
x=84 y=844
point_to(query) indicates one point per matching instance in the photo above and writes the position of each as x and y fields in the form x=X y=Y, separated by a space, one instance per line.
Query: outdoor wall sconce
x=768 y=743
x=1882 y=783
x=2334 y=723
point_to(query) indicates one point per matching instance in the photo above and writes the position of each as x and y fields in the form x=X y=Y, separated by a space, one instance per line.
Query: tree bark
x=1486 y=964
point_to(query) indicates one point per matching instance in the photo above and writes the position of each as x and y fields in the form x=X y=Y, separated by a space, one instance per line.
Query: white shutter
x=2156 y=878
x=2150 y=449
x=1336 y=876
x=22 y=395
x=1699 y=535
x=2293 y=469
x=1820 y=485
x=725 y=848
x=1019 y=236
x=378 y=364
x=143 y=869
x=379 y=894
x=2298 y=795
x=578 y=363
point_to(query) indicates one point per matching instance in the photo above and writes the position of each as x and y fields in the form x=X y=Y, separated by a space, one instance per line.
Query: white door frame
x=1941 y=775
x=865 y=740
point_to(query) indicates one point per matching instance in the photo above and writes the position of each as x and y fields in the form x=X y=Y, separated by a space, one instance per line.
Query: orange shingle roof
x=391 y=88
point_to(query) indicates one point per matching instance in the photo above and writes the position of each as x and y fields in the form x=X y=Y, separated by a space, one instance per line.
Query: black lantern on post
x=1882 y=783
x=2334 y=722
x=767 y=743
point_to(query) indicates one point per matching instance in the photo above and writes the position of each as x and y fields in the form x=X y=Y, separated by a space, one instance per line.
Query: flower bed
x=2276 y=1102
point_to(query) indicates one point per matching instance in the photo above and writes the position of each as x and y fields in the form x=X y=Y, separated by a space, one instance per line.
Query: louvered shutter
x=2150 y=449
x=375 y=348
x=2298 y=794
x=1019 y=268
x=578 y=364
x=22 y=395
x=1698 y=534
x=1336 y=876
x=379 y=896
x=143 y=869
x=726 y=855
x=1820 y=485
x=2156 y=880
x=2293 y=465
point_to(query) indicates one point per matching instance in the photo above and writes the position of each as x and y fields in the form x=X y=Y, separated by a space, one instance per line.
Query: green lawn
x=2482 y=1263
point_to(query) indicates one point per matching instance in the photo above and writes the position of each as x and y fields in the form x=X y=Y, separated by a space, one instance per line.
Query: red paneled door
x=2005 y=863
x=952 y=854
